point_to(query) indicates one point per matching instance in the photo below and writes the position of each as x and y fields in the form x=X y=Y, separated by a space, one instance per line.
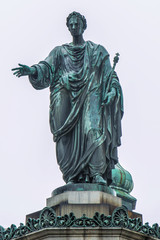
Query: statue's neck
x=78 y=40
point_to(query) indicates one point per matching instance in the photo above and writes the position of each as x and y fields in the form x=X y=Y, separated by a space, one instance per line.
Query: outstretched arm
x=40 y=75
x=24 y=70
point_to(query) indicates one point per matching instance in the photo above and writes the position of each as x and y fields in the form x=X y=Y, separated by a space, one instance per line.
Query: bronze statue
x=85 y=106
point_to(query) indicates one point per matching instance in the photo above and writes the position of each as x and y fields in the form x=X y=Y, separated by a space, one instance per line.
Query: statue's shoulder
x=97 y=47
x=55 y=51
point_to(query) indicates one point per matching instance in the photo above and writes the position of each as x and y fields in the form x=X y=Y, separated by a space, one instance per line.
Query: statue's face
x=75 y=26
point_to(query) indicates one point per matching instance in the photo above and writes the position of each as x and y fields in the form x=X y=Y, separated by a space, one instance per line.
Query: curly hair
x=79 y=16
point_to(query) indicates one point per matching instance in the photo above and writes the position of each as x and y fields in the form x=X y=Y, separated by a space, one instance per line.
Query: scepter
x=115 y=61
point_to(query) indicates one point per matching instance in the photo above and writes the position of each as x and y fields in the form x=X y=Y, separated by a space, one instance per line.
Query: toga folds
x=86 y=131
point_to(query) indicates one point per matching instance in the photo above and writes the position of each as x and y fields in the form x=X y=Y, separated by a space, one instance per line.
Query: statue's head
x=76 y=23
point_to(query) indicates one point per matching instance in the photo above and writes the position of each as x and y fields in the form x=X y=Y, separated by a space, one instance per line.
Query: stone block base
x=86 y=202
x=82 y=215
x=77 y=198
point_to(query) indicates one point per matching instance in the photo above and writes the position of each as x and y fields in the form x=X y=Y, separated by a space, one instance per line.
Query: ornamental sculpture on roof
x=48 y=219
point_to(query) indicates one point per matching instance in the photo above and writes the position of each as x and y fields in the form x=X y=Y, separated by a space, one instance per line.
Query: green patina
x=122 y=183
x=86 y=105
x=48 y=219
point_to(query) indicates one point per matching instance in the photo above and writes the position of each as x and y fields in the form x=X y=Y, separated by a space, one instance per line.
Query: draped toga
x=86 y=131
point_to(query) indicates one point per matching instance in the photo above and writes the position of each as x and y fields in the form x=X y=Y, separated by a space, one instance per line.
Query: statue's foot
x=70 y=182
x=99 y=179
x=87 y=180
x=80 y=178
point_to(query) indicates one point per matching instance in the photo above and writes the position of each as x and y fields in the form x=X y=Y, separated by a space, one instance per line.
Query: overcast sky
x=30 y=29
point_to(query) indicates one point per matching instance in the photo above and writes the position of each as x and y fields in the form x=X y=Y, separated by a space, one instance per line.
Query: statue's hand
x=110 y=96
x=23 y=70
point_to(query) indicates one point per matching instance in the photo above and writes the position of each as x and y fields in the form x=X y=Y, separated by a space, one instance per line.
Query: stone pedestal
x=83 y=212
x=82 y=201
